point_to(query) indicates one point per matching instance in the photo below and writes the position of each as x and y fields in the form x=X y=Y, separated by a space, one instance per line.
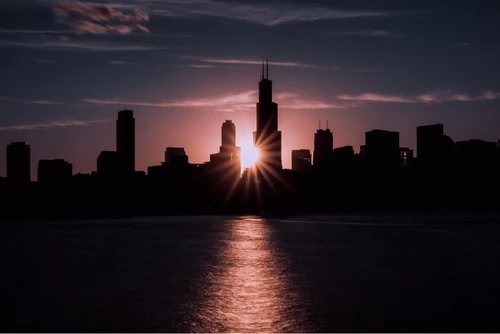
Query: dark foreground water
x=249 y=274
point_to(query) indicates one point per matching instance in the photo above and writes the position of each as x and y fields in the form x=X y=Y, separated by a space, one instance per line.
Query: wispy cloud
x=269 y=13
x=122 y=62
x=370 y=33
x=247 y=61
x=373 y=70
x=234 y=102
x=42 y=102
x=53 y=124
x=427 y=98
x=97 y=18
x=62 y=45
x=33 y=32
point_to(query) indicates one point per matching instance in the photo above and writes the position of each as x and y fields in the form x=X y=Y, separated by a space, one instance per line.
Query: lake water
x=252 y=274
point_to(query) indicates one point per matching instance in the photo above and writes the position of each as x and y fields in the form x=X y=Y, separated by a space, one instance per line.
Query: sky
x=186 y=66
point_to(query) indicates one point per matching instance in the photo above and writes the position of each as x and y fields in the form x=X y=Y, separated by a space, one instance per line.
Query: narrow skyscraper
x=125 y=141
x=323 y=148
x=19 y=162
x=267 y=138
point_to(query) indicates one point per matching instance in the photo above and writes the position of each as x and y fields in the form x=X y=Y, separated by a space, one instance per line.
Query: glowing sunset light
x=249 y=154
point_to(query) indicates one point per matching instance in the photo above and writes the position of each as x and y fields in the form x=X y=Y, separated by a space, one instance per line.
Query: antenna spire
x=267 y=68
x=262 y=71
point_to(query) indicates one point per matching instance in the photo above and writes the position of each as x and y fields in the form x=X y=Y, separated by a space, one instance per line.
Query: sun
x=249 y=154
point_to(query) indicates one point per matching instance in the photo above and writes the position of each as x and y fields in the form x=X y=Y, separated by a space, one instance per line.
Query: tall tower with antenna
x=267 y=138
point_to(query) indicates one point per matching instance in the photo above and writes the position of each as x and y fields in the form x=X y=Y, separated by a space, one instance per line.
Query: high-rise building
x=107 y=163
x=125 y=141
x=267 y=138
x=54 y=171
x=229 y=154
x=301 y=160
x=382 y=149
x=19 y=162
x=323 y=148
x=176 y=157
x=429 y=143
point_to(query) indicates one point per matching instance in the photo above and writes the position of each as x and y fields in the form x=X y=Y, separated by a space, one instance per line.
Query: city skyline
x=184 y=70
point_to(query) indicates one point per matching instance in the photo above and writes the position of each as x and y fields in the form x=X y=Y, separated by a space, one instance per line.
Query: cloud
x=236 y=61
x=97 y=18
x=234 y=102
x=33 y=32
x=372 y=97
x=370 y=33
x=269 y=14
x=427 y=98
x=53 y=124
x=42 y=102
x=64 y=45
x=122 y=62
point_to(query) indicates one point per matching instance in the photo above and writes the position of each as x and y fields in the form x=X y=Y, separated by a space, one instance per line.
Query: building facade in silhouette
x=267 y=138
x=323 y=148
x=176 y=157
x=54 y=171
x=406 y=157
x=227 y=160
x=477 y=154
x=19 y=162
x=382 y=149
x=301 y=161
x=342 y=158
x=107 y=163
x=435 y=150
x=125 y=141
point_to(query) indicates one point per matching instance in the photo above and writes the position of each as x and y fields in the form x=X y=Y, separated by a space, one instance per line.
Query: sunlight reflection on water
x=248 y=289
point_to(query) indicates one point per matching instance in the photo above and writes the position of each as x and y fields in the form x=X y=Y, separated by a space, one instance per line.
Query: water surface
x=252 y=274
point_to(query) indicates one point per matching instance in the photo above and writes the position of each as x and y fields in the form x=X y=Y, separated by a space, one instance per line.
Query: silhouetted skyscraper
x=429 y=139
x=176 y=157
x=301 y=160
x=107 y=163
x=382 y=149
x=267 y=138
x=323 y=148
x=54 y=171
x=125 y=141
x=229 y=153
x=19 y=162
x=228 y=137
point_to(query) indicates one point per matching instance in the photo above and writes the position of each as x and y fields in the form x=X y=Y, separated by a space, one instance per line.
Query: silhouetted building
x=382 y=149
x=125 y=141
x=362 y=152
x=267 y=138
x=406 y=157
x=477 y=153
x=107 y=163
x=342 y=157
x=176 y=157
x=54 y=171
x=434 y=149
x=323 y=148
x=18 y=162
x=228 y=159
x=301 y=160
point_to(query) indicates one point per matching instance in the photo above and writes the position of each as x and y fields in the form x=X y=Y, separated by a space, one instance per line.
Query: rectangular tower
x=267 y=138
x=125 y=141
